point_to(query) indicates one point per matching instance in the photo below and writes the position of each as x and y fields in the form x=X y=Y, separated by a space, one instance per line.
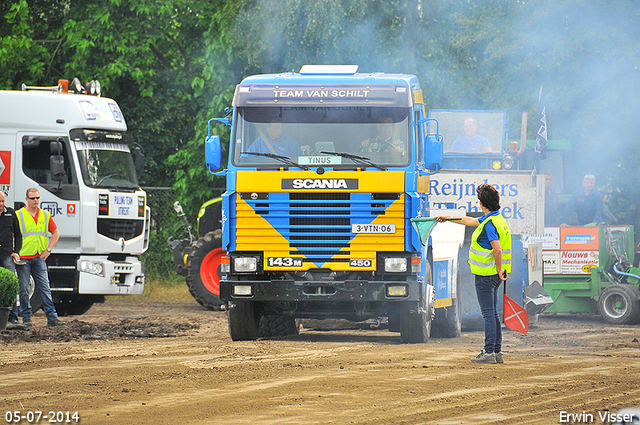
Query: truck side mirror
x=56 y=162
x=433 y=152
x=213 y=153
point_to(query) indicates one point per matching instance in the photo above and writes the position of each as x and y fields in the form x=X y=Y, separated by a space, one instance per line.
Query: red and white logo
x=71 y=210
x=5 y=167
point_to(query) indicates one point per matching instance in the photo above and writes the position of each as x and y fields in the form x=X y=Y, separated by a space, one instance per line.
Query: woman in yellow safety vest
x=490 y=262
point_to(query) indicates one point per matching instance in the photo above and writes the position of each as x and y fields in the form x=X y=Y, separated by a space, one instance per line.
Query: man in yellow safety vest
x=36 y=224
x=490 y=262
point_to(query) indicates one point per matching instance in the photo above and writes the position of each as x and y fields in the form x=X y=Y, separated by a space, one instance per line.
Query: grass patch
x=163 y=288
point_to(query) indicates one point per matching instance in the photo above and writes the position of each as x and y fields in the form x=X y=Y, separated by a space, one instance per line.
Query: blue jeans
x=487 y=291
x=37 y=268
x=6 y=261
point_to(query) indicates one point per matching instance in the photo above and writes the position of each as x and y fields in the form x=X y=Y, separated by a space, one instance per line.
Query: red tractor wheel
x=203 y=267
x=210 y=269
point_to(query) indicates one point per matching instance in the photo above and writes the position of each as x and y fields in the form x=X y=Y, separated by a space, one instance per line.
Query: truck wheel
x=448 y=320
x=635 y=294
x=272 y=325
x=415 y=325
x=243 y=321
x=619 y=304
x=74 y=305
x=203 y=270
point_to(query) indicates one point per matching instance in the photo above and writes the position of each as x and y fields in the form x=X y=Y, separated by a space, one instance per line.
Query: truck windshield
x=105 y=164
x=302 y=134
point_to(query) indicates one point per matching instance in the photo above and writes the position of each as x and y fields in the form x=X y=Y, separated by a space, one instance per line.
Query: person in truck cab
x=384 y=140
x=585 y=205
x=275 y=142
x=471 y=142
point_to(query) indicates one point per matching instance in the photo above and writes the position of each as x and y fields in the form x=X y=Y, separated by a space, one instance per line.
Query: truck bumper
x=117 y=278
x=319 y=291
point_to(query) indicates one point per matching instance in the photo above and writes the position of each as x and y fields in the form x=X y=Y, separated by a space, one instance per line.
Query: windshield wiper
x=283 y=159
x=358 y=160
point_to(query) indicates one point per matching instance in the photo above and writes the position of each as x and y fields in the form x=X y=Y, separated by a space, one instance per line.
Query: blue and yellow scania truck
x=326 y=169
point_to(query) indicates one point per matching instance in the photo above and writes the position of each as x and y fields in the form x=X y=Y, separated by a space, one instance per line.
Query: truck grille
x=117 y=228
x=318 y=225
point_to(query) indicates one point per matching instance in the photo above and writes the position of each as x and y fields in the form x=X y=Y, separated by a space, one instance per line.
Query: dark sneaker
x=56 y=322
x=499 y=358
x=15 y=326
x=484 y=358
x=27 y=321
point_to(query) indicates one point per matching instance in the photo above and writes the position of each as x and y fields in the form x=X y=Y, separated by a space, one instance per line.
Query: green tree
x=173 y=64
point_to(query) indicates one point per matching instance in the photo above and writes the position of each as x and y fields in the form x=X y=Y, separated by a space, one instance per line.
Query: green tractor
x=611 y=287
x=198 y=258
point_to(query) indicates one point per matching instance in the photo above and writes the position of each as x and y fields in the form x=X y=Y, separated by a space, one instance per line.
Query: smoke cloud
x=483 y=55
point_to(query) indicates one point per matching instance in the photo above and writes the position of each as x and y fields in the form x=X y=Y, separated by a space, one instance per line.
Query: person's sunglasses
x=34 y=198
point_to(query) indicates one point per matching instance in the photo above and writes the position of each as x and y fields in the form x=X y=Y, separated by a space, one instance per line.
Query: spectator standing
x=35 y=225
x=10 y=245
x=490 y=262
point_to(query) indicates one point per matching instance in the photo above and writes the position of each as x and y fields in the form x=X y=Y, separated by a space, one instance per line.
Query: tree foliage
x=173 y=64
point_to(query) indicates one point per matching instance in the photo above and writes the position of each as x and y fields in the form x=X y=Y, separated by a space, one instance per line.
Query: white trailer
x=75 y=150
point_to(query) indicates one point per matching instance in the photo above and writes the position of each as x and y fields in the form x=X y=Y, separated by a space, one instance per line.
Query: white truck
x=73 y=147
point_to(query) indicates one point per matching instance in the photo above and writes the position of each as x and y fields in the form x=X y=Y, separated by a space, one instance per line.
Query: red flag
x=513 y=315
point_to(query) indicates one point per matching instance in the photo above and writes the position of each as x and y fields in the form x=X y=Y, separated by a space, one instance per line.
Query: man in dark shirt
x=10 y=244
x=586 y=203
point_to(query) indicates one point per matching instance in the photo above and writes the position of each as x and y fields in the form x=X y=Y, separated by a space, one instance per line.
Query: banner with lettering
x=519 y=203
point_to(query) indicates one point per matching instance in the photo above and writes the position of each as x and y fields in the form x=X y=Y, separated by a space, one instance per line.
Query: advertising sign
x=579 y=238
x=578 y=262
x=456 y=190
x=550 y=239
x=551 y=260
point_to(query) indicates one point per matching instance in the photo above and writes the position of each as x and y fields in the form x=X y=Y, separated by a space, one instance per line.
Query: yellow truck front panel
x=301 y=220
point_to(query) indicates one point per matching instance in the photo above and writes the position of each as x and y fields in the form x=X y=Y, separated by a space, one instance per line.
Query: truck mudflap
x=355 y=291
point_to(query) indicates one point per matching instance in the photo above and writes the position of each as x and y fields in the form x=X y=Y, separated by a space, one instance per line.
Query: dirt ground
x=163 y=362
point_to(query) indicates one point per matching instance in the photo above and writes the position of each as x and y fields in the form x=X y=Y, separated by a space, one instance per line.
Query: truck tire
x=448 y=320
x=272 y=325
x=619 y=304
x=203 y=270
x=74 y=305
x=244 y=321
x=415 y=324
x=636 y=295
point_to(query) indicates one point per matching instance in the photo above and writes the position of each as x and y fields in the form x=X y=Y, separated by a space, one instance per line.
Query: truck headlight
x=92 y=267
x=395 y=265
x=245 y=264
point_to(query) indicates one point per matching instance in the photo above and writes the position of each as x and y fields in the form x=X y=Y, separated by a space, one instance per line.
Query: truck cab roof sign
x=328 y=69
x=388 y=95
